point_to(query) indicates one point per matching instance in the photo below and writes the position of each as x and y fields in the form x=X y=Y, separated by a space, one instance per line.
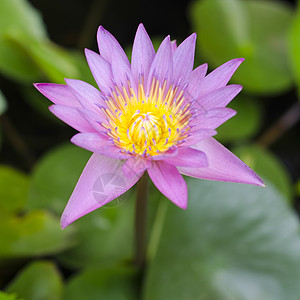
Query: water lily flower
x=155 y=115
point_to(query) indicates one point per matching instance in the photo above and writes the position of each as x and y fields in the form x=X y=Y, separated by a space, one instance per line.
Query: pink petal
x=101 y=70
x=97 y=143
x=219 y=77
x=101 y=181
x=72 y=117
x=122 y=74
x=195 y=78
x=135 y=165
x=223 y=165
x=109 y=47
x=197 y=136
x=212 y=118
x=169 y=182
x=220 y=97
x=96 y=120
x=188 y=157
x=183 y=58
x=173 y=46
x=58 y=94
x=162 y=65
x=142 y=53
x=89 y=97
x=164 y=155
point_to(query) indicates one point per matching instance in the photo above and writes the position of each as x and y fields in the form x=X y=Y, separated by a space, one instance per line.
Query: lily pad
x=268 y=166
x=233 y=242
x=244 y=124
x=13 y=190
x=103 y=237
x=55 y=176
x=40 y=280
x=19 y=17
x=294 y=47
x=35 y=233
x=111 y=283
x=5 y=296
x=255 y=30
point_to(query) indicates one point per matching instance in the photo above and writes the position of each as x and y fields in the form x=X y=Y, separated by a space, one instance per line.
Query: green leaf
x=39 y=280
x=267 y=166
x=294 y=46
x=54 y=62
x=38 y=101
x=28 y=53
x=19 y=17
x=233 y=242
x=3 y=103
x=115 y=284
x=244 y=124
x=13 y=190
x=55 y=176
x=255 y=30
x=35 y=233
x=104 y=236
x=5 y=296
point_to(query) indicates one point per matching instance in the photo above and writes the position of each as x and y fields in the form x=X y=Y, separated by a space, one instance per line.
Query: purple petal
x=109 y=47
x=142 y=53
x=72 y=117
x=89 y=97
x=195 y=78
x=212 y=118
x=223 y=165
x=96 y=120
x=219 y=77
x=198 y=136
x=183 y=58
x=188 y=157
x=173 y=46
x=101 y=71
x=122 y=74
x=164 y=155
x=220 y=97
x=169 y=182
x=58 y=94
x=97 y=143
x=101 y=181
x=162 y=65
x=135 y=165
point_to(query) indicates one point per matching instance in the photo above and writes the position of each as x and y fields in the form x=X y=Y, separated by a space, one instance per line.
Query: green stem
x=141 y=220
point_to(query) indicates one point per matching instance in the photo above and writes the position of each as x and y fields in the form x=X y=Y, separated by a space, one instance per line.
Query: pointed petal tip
x=101 y=29
x=183 y=205
x=193 y=36
x=52 y=108
x=141 y=27
x=39 y=86
x=238 y=60
x=87 y=51
x=238 y=87
x=259 y=181
x=64 y=222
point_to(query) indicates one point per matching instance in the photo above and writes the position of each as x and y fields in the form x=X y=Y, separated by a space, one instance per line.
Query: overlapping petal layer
x=156 y=114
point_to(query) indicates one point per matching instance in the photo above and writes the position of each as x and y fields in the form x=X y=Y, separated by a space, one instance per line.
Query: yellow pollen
x=147 y=125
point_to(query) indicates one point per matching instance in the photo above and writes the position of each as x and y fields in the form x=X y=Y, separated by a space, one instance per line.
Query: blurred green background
x=235 y=242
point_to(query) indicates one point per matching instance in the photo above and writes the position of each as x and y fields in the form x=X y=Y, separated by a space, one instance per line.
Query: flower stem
x=141 y=221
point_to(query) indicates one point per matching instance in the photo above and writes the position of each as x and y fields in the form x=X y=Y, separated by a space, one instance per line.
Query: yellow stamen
x=147 y=125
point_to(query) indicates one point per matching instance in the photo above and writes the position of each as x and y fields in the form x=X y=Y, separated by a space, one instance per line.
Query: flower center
x=145 y=129
x=147 y=125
